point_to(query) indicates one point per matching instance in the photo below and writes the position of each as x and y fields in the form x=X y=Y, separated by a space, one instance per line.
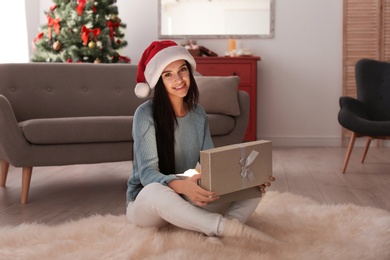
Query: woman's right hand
x=190 y=188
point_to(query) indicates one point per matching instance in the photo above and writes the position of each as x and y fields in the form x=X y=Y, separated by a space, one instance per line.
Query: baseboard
x=318 y=142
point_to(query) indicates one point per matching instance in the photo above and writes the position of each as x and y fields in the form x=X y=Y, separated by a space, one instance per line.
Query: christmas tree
x=81 y=31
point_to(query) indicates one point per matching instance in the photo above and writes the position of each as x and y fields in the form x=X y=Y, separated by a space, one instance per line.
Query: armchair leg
x=4 y=173
x=368 y=142
x=26 y=179
x=349 y=151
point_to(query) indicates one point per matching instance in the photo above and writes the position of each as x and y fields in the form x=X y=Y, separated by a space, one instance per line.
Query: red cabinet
x=246 y=69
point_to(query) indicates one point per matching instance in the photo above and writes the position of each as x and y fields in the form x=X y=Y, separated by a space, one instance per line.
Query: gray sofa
x=61 y=114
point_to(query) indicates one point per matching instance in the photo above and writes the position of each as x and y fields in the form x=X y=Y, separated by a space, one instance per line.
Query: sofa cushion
x=222 y=94
x=220 y=124
x=78 y=129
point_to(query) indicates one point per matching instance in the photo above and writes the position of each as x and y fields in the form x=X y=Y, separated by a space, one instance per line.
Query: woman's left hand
x=267 y=184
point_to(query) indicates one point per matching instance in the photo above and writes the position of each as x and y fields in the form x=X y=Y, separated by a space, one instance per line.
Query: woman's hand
x=267 y=184
x=190 y=188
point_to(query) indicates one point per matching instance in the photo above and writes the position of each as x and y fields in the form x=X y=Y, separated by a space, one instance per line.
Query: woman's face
x=176 y=79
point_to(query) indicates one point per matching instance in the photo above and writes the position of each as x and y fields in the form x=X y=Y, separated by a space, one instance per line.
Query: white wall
x=300 y=74
x=14 y=49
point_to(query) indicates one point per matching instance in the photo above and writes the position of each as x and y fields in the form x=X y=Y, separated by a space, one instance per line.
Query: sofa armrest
x=12 y=143
x=241 y=123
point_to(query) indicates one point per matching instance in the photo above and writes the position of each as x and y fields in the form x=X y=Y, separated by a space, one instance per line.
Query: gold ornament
x=92 y=45
x=97 y=61
x=57 y=46
x=114 y=17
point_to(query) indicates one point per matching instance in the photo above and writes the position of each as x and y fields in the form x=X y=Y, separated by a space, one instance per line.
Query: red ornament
x=69 y=61
x=118 y=41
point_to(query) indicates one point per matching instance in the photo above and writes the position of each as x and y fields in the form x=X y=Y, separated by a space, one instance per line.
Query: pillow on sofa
x=218 y=94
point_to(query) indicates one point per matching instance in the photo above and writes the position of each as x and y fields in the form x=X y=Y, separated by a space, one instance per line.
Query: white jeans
x=156 y=205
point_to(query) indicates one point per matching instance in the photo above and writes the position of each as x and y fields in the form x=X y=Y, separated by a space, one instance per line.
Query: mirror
x=199 y=19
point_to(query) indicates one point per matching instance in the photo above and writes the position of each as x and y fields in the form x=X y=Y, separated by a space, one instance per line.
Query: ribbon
x=85 y=33
x=53 y=7
x=55 y=23
x=80 y=6
x=38 y=37
x=112 y=25
x=245 y=162
x=124 y=58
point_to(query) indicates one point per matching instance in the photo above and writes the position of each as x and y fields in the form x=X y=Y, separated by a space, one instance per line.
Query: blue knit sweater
x=192 y=135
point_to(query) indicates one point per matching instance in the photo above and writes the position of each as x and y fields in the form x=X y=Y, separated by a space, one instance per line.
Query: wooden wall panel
x=366 y=34
x=361 y=36
x=385 y=48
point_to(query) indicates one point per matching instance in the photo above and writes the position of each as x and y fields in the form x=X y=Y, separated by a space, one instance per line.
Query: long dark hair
x=165 y=122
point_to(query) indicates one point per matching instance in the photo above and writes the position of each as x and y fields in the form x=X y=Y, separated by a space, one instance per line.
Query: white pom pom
x=142 y=90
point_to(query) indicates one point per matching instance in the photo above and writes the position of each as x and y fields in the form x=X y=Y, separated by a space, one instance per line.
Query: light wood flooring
x=59 y=194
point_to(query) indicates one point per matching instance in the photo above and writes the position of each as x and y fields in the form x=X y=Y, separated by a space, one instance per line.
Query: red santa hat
x=155 y=58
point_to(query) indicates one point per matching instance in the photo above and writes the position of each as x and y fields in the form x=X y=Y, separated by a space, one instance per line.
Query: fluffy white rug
x=308 y=230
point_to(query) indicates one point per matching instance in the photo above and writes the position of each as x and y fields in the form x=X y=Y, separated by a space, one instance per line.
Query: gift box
x=234 y=172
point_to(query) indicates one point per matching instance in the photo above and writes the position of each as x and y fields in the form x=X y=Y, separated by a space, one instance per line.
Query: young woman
x=169 y=131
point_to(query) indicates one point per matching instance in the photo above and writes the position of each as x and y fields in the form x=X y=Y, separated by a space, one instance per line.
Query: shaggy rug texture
x=305 y=229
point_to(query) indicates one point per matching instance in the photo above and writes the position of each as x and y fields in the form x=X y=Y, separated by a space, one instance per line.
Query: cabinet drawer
x=243 y=70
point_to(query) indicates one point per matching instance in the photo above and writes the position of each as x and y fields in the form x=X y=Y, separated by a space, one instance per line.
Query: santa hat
x=155 y=58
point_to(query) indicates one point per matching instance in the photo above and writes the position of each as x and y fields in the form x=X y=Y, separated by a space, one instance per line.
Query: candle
x=232 y=45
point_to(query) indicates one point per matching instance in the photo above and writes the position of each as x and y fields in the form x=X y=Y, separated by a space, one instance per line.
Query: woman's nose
x=178 y=77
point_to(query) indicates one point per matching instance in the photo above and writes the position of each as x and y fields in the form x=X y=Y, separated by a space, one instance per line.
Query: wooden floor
x=59 y=194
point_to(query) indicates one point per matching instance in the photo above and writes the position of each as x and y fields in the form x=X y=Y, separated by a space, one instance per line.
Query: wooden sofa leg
x=368 y=142
x=26 y=179
x=4 y=173
x=349 y=151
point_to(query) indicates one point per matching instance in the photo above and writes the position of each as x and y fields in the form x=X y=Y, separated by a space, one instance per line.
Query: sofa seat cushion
x=78 y=129
x=220 y=124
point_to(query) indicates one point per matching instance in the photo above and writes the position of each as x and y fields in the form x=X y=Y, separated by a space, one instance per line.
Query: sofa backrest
x=51 y=90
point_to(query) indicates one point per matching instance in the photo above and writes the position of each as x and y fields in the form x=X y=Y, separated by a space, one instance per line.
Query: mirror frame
x=221 y=36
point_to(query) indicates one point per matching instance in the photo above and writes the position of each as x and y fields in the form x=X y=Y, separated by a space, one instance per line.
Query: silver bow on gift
x=245 y=162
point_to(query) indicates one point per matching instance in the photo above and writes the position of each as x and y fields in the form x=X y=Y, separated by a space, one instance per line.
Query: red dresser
x=246 y=69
